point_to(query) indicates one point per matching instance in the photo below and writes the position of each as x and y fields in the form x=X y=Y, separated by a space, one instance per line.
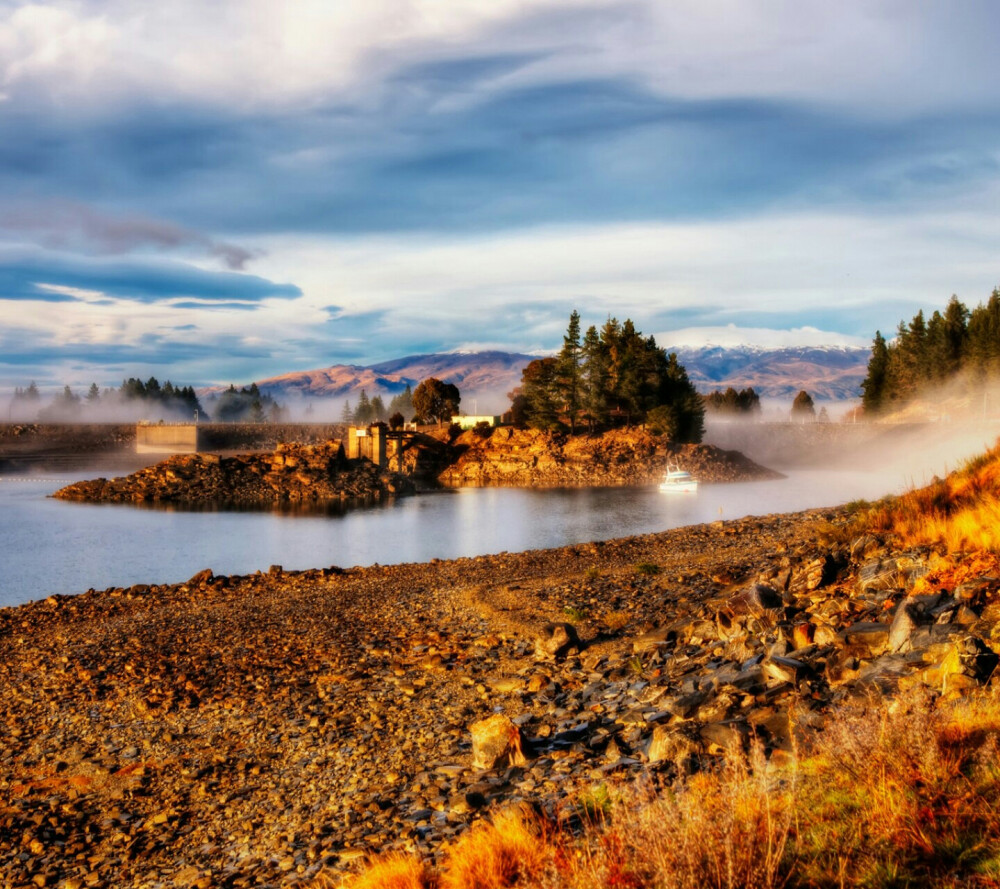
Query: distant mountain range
x=828 y=372
x=485 y=378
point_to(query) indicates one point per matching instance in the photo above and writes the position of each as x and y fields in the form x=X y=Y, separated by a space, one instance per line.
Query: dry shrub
x=508 y=850
x=949 y=573
x=892 y=792
x=726 y=829
x=904 y=786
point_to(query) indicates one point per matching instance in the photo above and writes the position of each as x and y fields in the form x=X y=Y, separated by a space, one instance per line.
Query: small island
x=296 y=474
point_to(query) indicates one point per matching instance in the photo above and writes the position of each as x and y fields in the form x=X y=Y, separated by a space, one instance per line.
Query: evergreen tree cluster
x=246 y=405
x=179 y=399
x=149 y=396
x=927 y=352
x=614 y=375
x=743 y=403
x=373 y=410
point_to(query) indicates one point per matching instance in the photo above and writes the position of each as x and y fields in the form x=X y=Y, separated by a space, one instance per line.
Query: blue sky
x=222 y=192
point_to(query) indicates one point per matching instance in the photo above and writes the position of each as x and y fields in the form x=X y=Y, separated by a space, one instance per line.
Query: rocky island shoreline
x=319 y=473
x=635 y=456
x=292 y=473
x=266 y=729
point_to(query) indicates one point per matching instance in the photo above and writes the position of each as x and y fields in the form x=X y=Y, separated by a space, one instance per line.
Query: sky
x=221 y=192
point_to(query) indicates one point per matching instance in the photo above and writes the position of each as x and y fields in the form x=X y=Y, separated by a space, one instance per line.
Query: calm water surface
x=49 y=546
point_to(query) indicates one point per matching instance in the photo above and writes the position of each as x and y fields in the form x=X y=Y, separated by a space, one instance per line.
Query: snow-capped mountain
x=826 y=372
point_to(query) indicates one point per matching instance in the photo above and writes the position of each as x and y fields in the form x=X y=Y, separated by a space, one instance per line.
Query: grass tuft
x=511 y=849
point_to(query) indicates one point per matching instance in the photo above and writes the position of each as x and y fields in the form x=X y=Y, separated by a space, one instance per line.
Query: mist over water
x=51 y=546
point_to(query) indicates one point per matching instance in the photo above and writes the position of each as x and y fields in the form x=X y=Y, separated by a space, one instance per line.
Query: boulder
x=968 y=662
x=896 y=573
x=815 y=574
x=556 y=640
x=654 y=640
x=728 y=737
x=867 y=639
x=905 y=622
x=783 y=669
x=754 y=598
x=670 y=745
x=496 y=743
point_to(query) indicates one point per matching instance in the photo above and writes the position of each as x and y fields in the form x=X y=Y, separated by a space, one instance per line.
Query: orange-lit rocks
x=496 y=743
x=292 y=474
x=530 y=458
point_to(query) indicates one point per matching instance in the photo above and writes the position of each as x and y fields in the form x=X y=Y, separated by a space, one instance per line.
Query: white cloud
x=243 y=51
x=807 y=279
x=890 y=55
x=864 y=270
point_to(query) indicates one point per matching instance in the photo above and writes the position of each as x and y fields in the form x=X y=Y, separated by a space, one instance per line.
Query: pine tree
x=538 y=384
x=956 y=335
x=594 y=379
x=402 y=403
x=803 y=408
x=984 y=336
x=876 y=383
x=363 y=413
x=568 y=370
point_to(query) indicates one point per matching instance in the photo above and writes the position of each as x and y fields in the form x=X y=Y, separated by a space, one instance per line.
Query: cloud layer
x=231 y=190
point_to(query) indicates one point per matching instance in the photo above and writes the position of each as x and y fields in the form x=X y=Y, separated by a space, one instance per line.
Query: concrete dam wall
x=166 y=438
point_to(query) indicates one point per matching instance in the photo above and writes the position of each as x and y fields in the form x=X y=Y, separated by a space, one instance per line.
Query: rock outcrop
x=300 y=474
x=530 y=458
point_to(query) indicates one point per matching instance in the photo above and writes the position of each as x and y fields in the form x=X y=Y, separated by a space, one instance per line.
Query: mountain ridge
x=484 y=378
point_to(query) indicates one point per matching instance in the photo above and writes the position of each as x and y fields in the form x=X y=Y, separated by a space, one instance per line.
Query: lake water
x=50 y=546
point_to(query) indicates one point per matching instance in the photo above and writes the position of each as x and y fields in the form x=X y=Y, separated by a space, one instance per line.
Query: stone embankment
x=253 y=731
x=46 y=444
x=529 y=458
x=291 y=474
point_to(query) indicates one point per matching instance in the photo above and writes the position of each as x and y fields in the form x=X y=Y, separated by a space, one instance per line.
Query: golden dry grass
x=394 y=871
x=509 y=850
x=960 y=513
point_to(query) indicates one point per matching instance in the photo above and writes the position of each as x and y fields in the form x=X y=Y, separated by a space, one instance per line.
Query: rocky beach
x=263 y=730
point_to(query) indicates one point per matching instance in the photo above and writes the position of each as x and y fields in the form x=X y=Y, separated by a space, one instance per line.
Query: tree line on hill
x=610 y=376
x=148 y=400
x=745 y=402
x=927 y=352
x=432 y=401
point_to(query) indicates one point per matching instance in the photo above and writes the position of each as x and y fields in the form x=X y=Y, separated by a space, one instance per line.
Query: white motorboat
x=678 y=481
